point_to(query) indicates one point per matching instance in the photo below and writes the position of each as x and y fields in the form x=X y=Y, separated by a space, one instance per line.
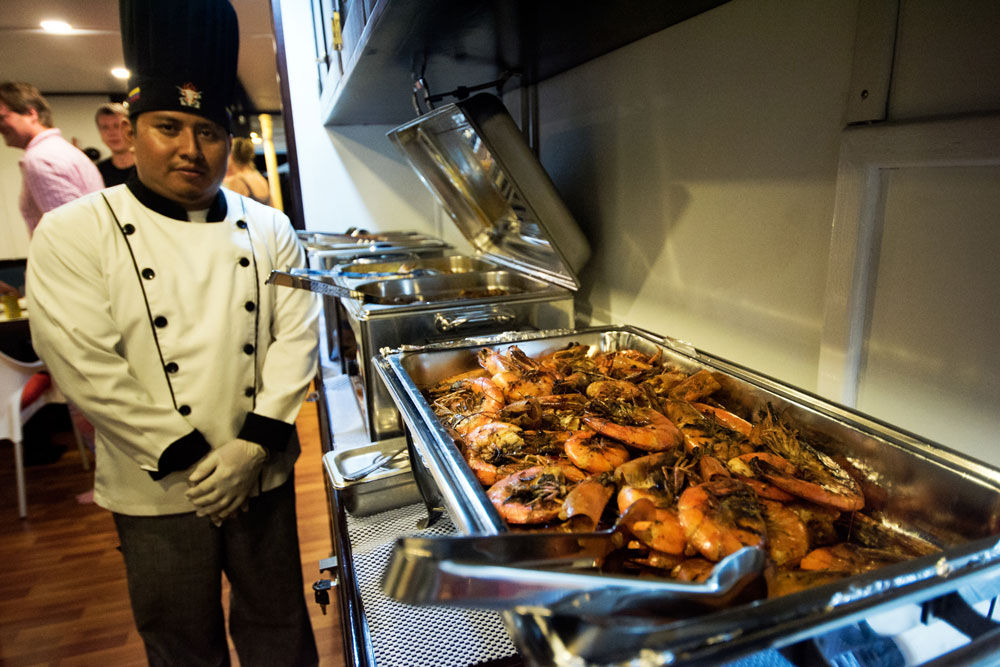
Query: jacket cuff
x=181 y=454
x=271 y=434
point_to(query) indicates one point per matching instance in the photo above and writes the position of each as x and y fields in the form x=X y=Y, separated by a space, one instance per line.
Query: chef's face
x=18 y=128
x=181 y=156
x=114 y=131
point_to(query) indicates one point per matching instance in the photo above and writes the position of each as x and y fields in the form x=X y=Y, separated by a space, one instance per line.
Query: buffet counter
x=378 y=630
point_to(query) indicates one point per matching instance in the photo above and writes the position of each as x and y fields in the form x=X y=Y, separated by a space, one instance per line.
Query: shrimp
x=533 y=495
x=595 y=454
x=645 y=429
x=557 y=412
x=559 y=360
x=698 y=385
x=628 y=364
x=725 y=417
x=468 y=397
x=818 y=521
x=498 y=449
x=817 y=477
x=720 y=517
x=656 y=527
x=787 y=538
x=585 y=502
x=617 y=390
x=848 y=558
x=445 y=385
x=519 y=385
x=705 y=434
x=630 y=495
x=662 y=383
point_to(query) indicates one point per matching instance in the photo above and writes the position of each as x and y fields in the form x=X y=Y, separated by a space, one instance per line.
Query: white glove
x=222 y=480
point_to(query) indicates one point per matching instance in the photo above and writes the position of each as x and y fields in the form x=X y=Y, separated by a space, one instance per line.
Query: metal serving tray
x=469 y=288
x=373 y=326
x=388 y=487
x=365 y=271
x=917 y=488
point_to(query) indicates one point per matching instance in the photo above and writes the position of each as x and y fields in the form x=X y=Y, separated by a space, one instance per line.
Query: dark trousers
x=174 y=565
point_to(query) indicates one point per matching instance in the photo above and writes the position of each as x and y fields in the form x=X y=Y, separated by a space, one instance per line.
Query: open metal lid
x=474 y=159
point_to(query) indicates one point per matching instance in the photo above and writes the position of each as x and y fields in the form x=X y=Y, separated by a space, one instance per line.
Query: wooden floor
x=63 y=597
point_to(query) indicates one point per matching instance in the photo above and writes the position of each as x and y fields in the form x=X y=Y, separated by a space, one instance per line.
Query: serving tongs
x=550 y=573
x=317 y=281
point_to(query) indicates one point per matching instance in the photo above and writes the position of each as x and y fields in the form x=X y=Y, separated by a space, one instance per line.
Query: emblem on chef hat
x=182 y=55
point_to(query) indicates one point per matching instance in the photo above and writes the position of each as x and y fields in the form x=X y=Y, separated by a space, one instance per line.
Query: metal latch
x=321 y=587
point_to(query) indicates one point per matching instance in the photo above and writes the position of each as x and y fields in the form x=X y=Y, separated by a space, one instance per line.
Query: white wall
x=74 y=116
x=350 y=177
x=701 y=162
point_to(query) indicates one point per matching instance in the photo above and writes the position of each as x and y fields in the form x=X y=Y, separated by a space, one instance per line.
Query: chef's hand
x=222 y=480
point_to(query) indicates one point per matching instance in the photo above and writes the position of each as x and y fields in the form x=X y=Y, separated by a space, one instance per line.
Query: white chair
x=14 y=375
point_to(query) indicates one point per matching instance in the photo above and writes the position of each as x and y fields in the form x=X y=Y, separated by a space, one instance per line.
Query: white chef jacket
x=163 y=333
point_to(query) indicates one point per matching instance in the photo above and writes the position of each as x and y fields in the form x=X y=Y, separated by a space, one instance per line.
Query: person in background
x=242 y=176
x=191 y=368
x=53 y=170
x=112 y=123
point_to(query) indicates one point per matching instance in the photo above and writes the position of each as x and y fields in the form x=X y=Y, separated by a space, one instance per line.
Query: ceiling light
x=255 y=138
x=120 y=73
x=57 y=27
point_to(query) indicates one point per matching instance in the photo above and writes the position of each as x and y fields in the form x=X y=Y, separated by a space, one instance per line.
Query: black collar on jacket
x=170 y=208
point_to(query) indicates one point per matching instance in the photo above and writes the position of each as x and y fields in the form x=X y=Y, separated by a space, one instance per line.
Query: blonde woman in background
x=242 y=176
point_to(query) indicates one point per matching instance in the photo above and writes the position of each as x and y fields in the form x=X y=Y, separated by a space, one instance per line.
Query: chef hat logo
x=190 y=96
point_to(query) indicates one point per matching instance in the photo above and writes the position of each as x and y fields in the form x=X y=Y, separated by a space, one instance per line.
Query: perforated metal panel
x=417 y=635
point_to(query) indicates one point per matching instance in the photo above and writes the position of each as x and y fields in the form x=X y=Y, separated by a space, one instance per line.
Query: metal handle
x=470 y=320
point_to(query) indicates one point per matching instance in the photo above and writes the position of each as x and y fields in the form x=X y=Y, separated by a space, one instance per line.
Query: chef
x=149 y=306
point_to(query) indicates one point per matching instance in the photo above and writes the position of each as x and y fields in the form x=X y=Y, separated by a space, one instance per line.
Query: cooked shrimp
x=468 y=396
x=705 y=434
x=630 y=495
x=593 y=453
x=616 y=390
x=848 y=558
x=662 y=383
x=557 y=412
x=725 y=417
x=521 y=384
x=533 y=495
x=646 y=429
x=698 y=385
x=656 y=527
x=818 y=521
x=559 y=360
x=720 y=517
x=818 y=478
x=787 y=539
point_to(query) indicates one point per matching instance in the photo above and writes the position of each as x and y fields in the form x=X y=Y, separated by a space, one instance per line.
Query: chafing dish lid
x=472 y=156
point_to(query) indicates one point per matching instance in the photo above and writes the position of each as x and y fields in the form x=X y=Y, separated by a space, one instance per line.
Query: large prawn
x=594 y=453
x=813 y=476
x=465 y=399
x=534 y=495
x=640 y=427
x=720 y=518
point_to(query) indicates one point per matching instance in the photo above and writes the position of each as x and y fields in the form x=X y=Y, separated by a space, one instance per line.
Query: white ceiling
x=82 y=62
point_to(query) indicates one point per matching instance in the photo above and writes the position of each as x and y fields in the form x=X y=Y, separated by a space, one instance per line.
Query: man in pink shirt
x=53 y=170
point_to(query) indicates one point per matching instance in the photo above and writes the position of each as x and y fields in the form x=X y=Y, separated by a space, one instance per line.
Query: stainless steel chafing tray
x=916 y=489
x=413 y=268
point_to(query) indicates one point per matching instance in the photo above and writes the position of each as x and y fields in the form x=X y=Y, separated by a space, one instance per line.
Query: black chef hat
x=182 y=55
